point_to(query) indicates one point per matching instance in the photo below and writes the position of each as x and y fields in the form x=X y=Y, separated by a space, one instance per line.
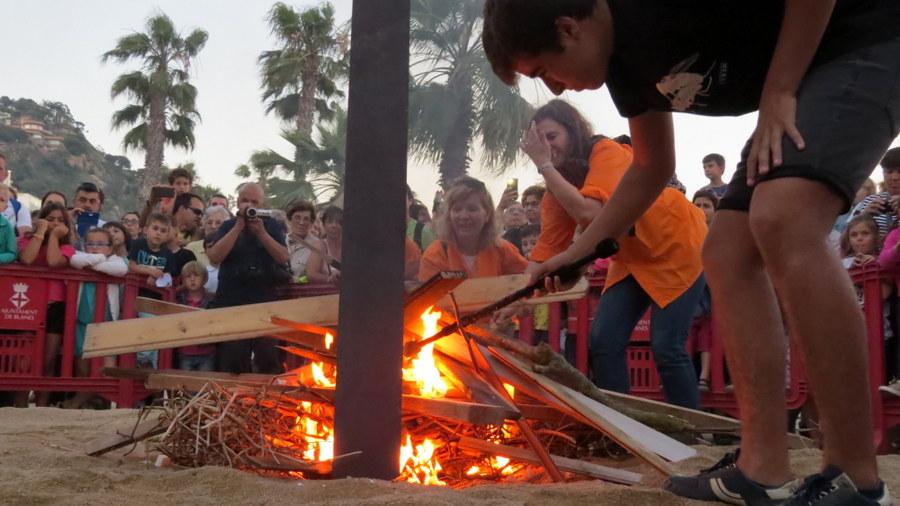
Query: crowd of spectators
x=219 y=256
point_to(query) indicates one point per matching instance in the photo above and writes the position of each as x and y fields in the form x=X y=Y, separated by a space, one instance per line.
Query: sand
x=42 y=462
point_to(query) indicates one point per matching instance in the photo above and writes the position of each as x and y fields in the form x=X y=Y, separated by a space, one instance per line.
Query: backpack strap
x=417 y=235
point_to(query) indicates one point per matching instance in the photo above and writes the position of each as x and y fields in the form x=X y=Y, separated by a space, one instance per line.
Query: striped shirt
x=884 y=220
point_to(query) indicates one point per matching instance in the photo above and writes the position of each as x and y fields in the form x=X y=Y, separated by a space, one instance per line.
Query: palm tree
x=317 y=173
x=299 y=78
x=163 y=100
x=455 y=98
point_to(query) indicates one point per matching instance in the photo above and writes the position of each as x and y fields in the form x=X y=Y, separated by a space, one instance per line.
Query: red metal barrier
x=23 y=305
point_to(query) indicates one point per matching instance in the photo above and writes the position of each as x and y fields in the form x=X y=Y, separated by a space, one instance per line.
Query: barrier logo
x=19 y=298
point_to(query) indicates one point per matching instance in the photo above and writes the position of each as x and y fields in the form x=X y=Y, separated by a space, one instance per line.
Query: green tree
x=299 y=78
x=316 y=174
x=163 y=99
x=455 y=98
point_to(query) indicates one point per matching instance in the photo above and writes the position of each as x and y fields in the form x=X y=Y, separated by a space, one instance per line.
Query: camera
x=253 y=212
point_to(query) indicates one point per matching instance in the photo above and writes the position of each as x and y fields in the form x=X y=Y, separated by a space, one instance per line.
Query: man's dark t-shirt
x=181 y=258
x=711 y=57
x=248 y=274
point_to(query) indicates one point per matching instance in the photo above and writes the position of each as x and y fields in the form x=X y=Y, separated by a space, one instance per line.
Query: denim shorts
x=848 y=112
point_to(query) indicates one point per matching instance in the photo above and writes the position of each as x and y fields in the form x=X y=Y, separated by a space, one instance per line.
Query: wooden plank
x=303 y=327
x=475 y=387
x=694 y=417
x=566 y=464
x=207 y=326
x=312 y=355
x=620 y=428
x=476 y=293
x=428 y=294
x=158 y=307
x=287 y=464
x=125 y=436
x=463 y=411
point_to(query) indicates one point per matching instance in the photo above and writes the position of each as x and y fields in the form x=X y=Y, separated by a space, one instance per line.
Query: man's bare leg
x=790 y=219
x=749 y=322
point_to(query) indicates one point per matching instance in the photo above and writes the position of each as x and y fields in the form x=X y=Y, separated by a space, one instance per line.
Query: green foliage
x=456 y=100
x=162 y=109
x=37 y=170
x=75 y=144
x=11 y=135
x=299 y=78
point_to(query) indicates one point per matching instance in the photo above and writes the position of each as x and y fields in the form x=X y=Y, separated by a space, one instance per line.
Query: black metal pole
x=370 y=342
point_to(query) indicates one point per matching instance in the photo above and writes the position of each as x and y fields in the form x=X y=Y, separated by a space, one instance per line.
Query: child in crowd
x=701 y=335
x=149 y=255
x=192 y=293
x=98 y=255
x=51 y=246
x=862 y=244
x=8 y=249
x=121 y=238
x=529 y=235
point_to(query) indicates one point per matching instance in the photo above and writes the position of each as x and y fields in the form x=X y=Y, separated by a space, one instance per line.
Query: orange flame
x=423 y=369
x=329 y=340
x=417 y=463
x=319 y=437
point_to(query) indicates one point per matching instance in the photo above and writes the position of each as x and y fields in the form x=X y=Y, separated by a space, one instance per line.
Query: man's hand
x=74 y=212
x=777 y=118
x=875 y=207
x=555 y=284
x=503 y=316
x=155 y=273
x=255 y=226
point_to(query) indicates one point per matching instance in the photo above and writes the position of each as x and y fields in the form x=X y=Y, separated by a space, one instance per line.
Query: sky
x=52 y=51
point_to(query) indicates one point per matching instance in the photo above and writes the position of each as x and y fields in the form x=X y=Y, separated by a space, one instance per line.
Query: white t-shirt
x=20 y=219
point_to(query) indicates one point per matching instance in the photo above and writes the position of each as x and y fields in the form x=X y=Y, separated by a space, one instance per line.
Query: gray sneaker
x=832 y=487
x=725 y=482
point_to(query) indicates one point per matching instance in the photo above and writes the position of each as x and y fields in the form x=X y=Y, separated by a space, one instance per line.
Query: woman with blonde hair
x=469 y=236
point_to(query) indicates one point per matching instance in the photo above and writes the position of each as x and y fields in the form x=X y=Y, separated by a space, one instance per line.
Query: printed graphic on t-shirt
x=684 y=88
x=145 y=257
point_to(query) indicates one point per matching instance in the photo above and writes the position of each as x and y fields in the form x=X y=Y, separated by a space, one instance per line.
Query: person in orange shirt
x=658 y=265
x=469 y=236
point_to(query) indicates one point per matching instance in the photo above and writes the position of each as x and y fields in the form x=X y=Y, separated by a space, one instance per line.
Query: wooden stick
x=125 y=436
x=610 y=474
x=468 y=412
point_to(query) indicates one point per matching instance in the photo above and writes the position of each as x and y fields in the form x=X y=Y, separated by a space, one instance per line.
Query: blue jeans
x=205 y=363
x=620 y=308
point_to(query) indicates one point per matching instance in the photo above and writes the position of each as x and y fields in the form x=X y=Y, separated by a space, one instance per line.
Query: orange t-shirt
x=663 y=255
x=494 y=261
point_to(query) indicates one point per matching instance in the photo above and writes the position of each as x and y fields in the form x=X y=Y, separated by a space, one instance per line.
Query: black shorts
x=56 y=317
x=848 y=112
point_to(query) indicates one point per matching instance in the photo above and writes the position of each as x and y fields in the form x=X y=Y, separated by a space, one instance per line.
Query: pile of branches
x=244 y=428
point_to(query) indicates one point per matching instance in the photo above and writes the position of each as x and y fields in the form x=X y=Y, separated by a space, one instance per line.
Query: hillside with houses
x=46 y=149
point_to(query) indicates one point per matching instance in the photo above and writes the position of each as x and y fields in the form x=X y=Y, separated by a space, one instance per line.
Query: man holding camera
x=252 y=252
x=883 y=207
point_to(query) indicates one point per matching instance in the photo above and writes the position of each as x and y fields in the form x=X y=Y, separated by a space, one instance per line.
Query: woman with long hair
x=658 y=265
x=469 y=236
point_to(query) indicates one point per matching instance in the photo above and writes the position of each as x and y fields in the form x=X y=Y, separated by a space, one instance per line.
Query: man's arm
x=801 y=32
x=221 y=248
x=275 y=249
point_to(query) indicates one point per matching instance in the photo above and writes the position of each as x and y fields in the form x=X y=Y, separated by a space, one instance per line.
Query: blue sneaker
x=725 y=482
x=832 y=487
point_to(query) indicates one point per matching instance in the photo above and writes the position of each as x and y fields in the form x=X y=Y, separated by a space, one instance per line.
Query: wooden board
x=463 y=411
x=158 y=307
x=588 y=413
x=476 y=293
x=207 y=326
x=565 y=464
x=427 y=295
x=475 y=387
x=125 y=436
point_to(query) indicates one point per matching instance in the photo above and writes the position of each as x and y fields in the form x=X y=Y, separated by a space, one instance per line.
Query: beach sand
x=42 y=461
